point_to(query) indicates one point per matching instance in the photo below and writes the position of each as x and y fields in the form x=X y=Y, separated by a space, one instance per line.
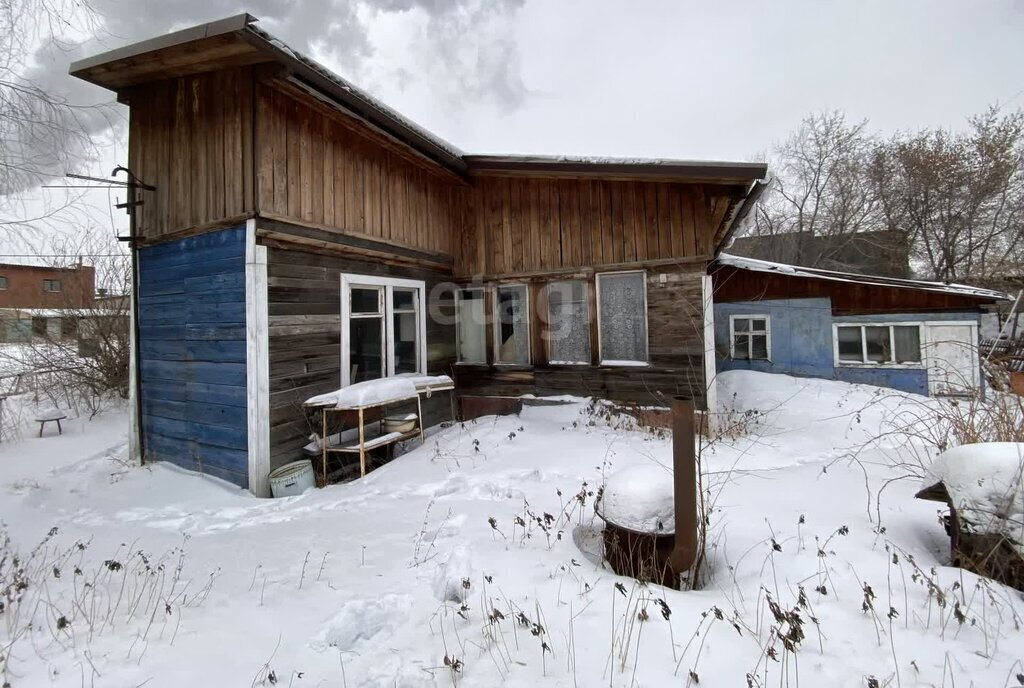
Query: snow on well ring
x=640 y=498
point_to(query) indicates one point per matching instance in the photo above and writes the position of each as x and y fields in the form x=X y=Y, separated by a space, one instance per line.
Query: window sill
x=625 y=364
x=873 y=366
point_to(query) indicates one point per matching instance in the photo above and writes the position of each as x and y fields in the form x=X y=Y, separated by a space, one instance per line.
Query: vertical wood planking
x=702 y=220
x=664 y=222
x=629 y=227
x=675 y=200
x=690 y=200
x=616 y=222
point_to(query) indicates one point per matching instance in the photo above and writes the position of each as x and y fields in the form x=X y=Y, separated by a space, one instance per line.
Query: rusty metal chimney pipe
x=684 y=469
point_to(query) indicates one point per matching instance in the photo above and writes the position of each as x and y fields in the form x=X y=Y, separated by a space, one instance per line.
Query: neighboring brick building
x=34 y=286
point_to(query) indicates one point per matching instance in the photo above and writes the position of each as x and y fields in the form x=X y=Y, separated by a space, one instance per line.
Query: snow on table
x=640 y=498
x=382 y=390
x=984 y=483
x=368 y=393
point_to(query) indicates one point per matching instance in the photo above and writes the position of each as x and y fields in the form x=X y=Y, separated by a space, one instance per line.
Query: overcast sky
x=651 y=78
x=645 y=78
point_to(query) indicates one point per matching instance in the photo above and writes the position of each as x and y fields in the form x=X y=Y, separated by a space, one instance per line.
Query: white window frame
x=458 y=326
x=48 y=284
x=750 y=345
x=496 y=324
x=586 y=301
x=647 y=326
x=864 y=363
x=388 y=331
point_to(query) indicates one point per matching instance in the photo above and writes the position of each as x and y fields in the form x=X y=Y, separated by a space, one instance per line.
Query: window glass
x=472 y=326
x=850 y=345
x=406 y=330
x=622 y=307
x=907 y=340
x=511 y=328
x=404 y=299
x=759 y=346
x=365 y=299
x=741 y=347
x=568 y=322
x=741 y=325
x=3 y=282
x=366 y=360
x=51 y=285
x=878 y=347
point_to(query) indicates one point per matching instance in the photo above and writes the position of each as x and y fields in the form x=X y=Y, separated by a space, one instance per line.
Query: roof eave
x=219 y=27
x=670 y=170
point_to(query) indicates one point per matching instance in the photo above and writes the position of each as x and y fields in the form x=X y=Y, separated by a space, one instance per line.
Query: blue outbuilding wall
x=192 y=353
x=801 y=342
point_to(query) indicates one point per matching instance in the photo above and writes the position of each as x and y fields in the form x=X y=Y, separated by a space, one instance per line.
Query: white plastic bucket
x=292 y=479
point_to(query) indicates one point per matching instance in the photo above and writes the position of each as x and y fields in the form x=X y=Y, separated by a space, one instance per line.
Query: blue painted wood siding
x=801 y=341
x=192 y=353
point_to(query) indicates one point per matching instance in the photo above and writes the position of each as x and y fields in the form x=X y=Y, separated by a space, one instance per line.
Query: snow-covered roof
x=897 y=283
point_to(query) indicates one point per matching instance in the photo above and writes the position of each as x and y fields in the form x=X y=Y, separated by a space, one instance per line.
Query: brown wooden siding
x=191 y=138
x=520 y=225
x=675 y=322
x=318 y=168
x=848 y=298
x=304 y=308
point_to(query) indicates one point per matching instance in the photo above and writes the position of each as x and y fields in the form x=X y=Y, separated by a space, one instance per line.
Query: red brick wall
x=25 y=287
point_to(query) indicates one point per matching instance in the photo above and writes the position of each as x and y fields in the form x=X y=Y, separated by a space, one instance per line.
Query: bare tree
x=42 y=133
x=959 y=196
x=819 y=189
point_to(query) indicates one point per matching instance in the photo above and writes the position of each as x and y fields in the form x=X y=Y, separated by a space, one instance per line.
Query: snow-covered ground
x=482 y=547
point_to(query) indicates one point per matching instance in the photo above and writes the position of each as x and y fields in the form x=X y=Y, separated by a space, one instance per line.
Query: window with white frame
x=383 y=331
x=750 y=337
x=568 y=323
x=511 y=325
x=3 y=283
x=622 y=317
x=877 y=344
x=471 y=325
x=51 y=285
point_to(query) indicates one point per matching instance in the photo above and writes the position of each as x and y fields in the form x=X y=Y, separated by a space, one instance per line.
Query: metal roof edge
x=758 y=265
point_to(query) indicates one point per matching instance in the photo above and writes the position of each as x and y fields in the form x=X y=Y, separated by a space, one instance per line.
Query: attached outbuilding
x=911 y=335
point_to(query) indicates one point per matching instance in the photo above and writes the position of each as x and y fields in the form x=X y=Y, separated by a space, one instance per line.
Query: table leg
x=362 y=449
x=41 y=426
x=419 y=416
x=60 y=430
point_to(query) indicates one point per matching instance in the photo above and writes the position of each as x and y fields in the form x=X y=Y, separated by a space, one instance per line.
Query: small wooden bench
x=51 y=416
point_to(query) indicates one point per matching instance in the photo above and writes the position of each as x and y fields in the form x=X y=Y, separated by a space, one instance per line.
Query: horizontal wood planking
x=191 y=138
x=675 y=342
x=304 y=293
x=192 y=353
x=321 y=168
x=517 y=225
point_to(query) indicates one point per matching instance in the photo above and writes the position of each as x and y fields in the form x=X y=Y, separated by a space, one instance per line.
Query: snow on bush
x=984 y=483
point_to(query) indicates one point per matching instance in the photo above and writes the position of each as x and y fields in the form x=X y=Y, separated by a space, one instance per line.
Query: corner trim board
x=257 y=363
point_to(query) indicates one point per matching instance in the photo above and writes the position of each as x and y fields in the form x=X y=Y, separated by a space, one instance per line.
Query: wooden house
x=292 y=234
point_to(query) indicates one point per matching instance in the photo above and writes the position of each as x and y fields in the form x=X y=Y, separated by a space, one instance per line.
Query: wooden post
x=324 y=443
x=684 y=469
x=362 y=449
